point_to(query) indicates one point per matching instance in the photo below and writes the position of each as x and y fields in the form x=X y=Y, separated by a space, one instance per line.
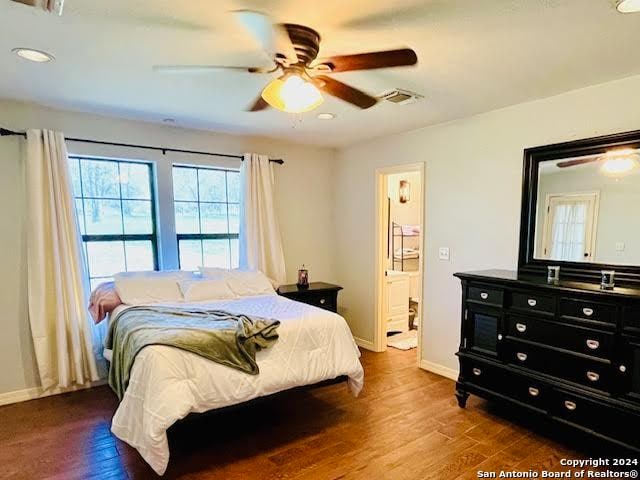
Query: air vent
x=400 y=97
x=54 y=6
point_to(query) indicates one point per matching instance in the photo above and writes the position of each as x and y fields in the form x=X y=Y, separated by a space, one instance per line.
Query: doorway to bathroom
x=400 y=258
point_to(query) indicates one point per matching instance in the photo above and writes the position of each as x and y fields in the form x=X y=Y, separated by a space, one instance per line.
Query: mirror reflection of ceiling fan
x=613 y=161
x=293 y=50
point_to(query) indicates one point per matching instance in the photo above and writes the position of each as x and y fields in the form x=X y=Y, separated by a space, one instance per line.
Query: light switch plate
x=620 y=246
x=443 y=253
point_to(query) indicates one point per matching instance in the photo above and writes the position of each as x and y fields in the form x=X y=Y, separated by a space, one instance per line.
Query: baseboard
x=439 y=369
x=37 y=392
x=366 y=344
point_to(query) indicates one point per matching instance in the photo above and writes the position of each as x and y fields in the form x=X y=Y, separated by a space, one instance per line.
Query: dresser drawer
x=512 y=385
x=533 y=302
x=577 y=339
x=487 y=296
x=587 y=310
x=601 y=417
x=575 y=368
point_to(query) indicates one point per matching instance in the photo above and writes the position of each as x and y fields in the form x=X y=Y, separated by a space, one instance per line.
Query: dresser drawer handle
x=484 y=295
x=532 y=302
x=622 y=368
x=323 y=301
x=569 y=405
x=593 y=376
x=521 y=356
x=593 y=344
x=534 y=392
x=587 y=311
x=477 y=372
x=521 y=327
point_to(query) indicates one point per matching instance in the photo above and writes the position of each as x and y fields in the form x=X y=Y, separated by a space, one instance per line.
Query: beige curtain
x=57 y=288
x=260 y=241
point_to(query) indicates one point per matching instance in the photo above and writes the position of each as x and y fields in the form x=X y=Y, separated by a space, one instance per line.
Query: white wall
x=472 y=197
x=303 y=186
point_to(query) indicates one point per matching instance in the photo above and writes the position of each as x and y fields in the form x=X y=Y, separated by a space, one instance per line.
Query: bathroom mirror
x=581 y=207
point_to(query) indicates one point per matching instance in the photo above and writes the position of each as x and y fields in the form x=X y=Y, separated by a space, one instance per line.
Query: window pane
x=187 y=220
x=139 y=255
x=103 y=217
x=137 y=216
x=100 y=179
x=74 y=170
x=235 y=253
x=190 y=254
x=105 y=258
x=213 y=217
x=217 y=253
x=234 y=218
x=135 y=181
x=97 y=281
x=185 y=184
x=233 y=186
x=80 y=214
x=212 y=185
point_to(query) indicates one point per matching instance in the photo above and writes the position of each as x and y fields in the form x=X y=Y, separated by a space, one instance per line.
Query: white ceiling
x=475 y=56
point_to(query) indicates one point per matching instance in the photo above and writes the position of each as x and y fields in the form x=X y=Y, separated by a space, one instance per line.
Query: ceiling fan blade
x=272 y=37
x=179 y=69
x=367 y=61
x=573 y=163
x=344 y=92
x=259 y=104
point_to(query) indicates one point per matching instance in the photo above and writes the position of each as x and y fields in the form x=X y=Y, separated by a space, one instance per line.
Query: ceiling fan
x=613 y=161
x=293 y=50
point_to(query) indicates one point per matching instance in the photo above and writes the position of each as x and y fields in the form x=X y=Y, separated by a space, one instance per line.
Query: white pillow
x=215 y=272
x=246 y=284
x=141 y=288
x=196 y=290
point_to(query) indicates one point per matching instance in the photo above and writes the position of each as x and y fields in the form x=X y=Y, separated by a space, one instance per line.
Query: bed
x=166 y=383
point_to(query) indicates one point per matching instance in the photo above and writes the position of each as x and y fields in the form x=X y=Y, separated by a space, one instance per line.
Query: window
x=570 y=226
x=115 y=207
x=207 y=208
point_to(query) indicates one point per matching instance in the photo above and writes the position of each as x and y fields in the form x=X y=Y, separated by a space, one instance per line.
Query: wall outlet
x=443 y=253
x=620 y=246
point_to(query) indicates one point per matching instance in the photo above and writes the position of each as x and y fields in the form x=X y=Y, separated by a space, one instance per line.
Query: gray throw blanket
x=222 y=337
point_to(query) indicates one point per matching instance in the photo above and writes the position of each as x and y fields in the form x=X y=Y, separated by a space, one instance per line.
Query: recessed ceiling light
x=326 y=116
x=33 y=55
x=628 y=6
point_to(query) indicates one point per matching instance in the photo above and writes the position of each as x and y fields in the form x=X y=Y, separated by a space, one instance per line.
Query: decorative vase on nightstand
x=303 y=278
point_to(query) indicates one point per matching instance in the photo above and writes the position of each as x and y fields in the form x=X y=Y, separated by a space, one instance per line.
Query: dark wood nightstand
x=319 y=294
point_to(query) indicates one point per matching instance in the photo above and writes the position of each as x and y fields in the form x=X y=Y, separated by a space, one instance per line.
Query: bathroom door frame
x=380 y=261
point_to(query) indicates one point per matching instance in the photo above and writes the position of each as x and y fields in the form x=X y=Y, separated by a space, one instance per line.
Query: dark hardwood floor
x=405 y=425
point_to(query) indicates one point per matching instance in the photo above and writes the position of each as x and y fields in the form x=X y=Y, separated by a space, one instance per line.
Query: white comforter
x=167 y=384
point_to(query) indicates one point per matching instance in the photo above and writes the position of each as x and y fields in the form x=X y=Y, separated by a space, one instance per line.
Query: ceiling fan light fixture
x=292 y=94
x=617 y=162
x=32 y=55
x=628 y=6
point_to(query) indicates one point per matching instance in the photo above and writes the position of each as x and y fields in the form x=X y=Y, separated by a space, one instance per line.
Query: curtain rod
x=6 y=133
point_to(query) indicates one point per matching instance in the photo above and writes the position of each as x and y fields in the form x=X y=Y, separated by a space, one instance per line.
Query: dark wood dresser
x=319 y=294
x=569 y=352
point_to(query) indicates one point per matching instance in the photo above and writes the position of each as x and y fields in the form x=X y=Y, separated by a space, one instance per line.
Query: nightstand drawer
x=321 y=295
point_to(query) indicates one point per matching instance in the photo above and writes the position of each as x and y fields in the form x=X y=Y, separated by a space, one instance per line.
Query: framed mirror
x=581 y=208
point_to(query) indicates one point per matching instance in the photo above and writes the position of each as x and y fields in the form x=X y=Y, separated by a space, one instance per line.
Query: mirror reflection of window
x=587 y=208
x=570 y=227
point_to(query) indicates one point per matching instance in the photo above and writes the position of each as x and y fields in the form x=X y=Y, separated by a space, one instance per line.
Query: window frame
x=123 y=237
x=204 y=236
